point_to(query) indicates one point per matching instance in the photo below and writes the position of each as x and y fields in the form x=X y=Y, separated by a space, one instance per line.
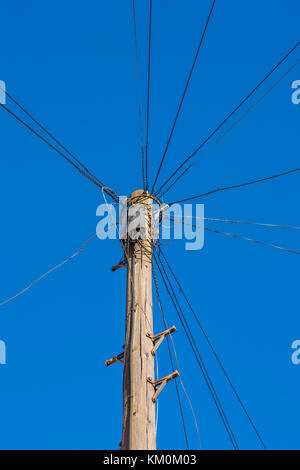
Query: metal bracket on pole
x=114 y=359
x=161 y=383
x=158 y=339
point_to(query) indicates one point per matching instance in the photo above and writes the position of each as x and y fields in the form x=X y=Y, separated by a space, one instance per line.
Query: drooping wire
x=239 y=236
x=195 y=350
x=58 y=142
x=260 y=224
x=235 y=186
x=89 y=176
x=198 y=357
x=183 y=96
x=148 y=94
x=53 y=269
x=171 y=359
x=214 y=351
x=139 y=93
x=228 y=117
x=45 y=130
x=253 y=241
x=185 y=392
x=237 y=121
x=177 y=365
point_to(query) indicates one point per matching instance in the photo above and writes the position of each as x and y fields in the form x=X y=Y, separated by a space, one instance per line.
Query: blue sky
x=72 y=65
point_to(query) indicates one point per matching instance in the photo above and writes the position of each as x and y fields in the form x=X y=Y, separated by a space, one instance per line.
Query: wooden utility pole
x=138 y=405
x=140 y=388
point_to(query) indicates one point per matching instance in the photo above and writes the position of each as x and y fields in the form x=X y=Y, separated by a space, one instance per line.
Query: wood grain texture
x=139 y=431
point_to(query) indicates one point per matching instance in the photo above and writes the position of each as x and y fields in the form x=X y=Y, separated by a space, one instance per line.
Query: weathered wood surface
x=139 y=430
